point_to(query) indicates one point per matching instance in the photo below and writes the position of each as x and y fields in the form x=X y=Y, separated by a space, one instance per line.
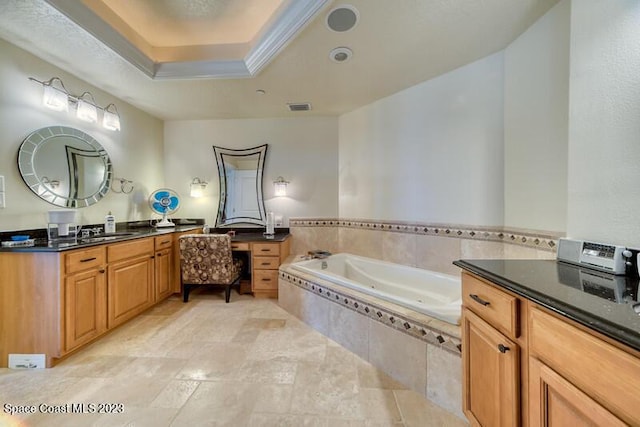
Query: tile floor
x=207 y=363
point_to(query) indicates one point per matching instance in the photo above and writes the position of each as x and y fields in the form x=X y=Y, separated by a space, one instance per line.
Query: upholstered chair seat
x=206 y=259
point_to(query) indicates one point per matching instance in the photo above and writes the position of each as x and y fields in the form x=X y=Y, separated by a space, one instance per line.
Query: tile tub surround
x=430 y=246
x=175 y=365
x=416 y=350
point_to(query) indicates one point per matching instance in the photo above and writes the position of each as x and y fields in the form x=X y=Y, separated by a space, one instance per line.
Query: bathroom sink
x=110 y=236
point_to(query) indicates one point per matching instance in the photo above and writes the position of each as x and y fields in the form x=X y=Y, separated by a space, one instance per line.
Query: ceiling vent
x=299 y=106
x=342 y=18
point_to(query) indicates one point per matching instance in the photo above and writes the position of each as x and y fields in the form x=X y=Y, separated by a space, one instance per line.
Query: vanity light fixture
x=86 y=109
x=58 y=98
x=111 y=118
x=197 y=187
x=54 y=98
x=280 y=187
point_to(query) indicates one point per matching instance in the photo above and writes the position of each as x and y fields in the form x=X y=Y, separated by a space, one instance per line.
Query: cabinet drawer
x=265 y=279
x=265 y=249
x=605 y=373
x=266 y=262
x=130 y=249
x=85 y=259
x=163 y=242
x=237 y=246
x=493 y=305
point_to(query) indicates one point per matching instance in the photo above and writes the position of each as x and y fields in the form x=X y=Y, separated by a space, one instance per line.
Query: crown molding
x=295 y=16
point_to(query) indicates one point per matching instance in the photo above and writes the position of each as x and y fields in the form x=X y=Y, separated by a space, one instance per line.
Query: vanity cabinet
x=525 y=365
x=265 y=261
x=577 y=378
x=163 y=267
x=130 y=284
x=53 y=303
x=85 y=296
x=491 y=355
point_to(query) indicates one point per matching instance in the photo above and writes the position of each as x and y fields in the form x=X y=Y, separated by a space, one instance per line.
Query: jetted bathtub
x=428 y=292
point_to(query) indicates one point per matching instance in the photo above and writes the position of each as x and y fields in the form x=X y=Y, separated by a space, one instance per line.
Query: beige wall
x=136 y=151
x=433 y=152
x=604 y=122
x=303 y=150
x=536 y=120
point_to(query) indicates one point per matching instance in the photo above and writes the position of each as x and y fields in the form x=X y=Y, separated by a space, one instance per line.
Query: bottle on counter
x=109 y=223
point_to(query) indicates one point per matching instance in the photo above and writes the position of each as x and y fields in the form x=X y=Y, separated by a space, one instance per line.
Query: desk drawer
x=266 y=262
x=265 y=279
x=259 y=249
x=85 y=259
x=495 y=306
x=238 y=246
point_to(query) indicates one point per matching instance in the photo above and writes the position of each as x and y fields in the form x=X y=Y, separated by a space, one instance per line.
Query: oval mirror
x=65 y=166
x=240 y=176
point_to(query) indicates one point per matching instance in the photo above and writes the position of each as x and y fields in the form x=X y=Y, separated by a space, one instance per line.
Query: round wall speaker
x=342 y=18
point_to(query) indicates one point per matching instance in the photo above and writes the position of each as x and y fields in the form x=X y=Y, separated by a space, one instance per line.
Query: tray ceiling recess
x=248 y=33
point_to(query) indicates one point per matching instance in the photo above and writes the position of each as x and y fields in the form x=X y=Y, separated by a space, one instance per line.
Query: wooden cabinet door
x=130 y=289
x=85 y=307
x=491 y=374
x=554 y=401
x=163 y=274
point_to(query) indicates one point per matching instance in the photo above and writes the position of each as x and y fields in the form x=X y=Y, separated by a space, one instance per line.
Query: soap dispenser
x=110 y=223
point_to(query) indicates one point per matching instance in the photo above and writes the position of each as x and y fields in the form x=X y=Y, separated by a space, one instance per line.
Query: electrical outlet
x=2 y=204
x=1 y=184
x=27 y=361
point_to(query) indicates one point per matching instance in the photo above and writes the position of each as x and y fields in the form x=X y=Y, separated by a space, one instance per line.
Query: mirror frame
x=261 y=151
x=26 y=161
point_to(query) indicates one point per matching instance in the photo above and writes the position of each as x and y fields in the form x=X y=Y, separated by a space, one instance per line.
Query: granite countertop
x=122 y=234
x=600 y=301
x=259 y=237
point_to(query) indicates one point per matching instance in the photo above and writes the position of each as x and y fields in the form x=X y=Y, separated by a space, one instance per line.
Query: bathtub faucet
x=323 y=265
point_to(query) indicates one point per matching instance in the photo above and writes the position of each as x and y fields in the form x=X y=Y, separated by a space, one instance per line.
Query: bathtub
x=434 y=294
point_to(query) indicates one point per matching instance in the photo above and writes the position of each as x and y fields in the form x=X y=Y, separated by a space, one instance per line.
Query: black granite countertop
x=42 y=244
x=259 y=237
x=600 y=301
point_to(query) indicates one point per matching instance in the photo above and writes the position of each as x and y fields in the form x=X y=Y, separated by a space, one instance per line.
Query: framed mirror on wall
x=65 y=167
x=240 y=175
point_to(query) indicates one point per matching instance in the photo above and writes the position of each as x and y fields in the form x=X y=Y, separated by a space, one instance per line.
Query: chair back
x=206 y=259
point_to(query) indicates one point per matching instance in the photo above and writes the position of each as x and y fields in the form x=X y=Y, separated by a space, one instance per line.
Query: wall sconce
x=197 y=187
x=58 y=98
x=280 y=186
x=52 y=183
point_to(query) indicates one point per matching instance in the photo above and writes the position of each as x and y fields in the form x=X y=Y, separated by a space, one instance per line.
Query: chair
x=206 y=259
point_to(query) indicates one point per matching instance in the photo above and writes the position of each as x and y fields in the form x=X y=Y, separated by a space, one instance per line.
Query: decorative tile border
x=378 y=313
x=529 y=238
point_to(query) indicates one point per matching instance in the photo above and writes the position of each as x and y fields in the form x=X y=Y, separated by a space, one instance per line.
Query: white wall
x=431 y=153
x=536 y=120
x=302 y=150
x=136 y=151
x=604 y=122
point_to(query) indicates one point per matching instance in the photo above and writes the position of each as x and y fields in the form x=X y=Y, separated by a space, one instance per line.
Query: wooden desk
x=265 y=257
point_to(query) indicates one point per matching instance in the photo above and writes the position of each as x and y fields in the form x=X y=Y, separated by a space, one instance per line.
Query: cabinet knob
x=101 y=271
x=502 y=348
x=479 y=300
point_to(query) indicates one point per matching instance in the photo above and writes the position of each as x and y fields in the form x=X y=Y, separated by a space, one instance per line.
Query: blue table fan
x=164 y=202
